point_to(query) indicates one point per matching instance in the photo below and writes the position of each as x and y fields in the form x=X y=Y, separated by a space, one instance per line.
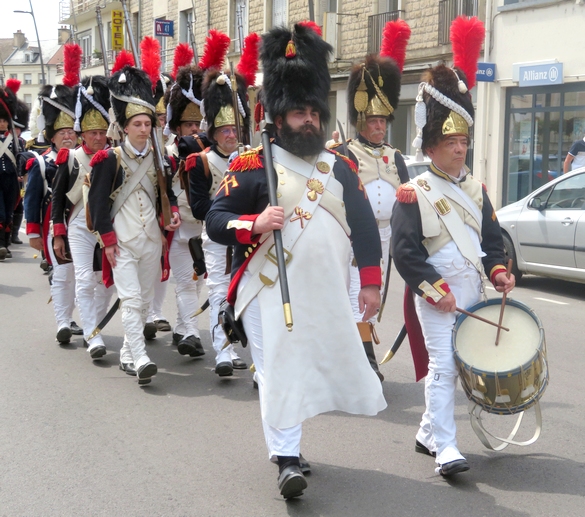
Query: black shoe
x=304 y=465
x=291 y=482
x=162 y=325
x=3 y=253
x=64 y=336
x=238 y=364
x=15 y=239
x=76 y=330
x=190 y=346
x=146 y=372
x=419 y=447
x=128 y=368
x=8 y=253
x=149 y=330
x=454 y=467
x=44 y=265
x=177 y=338
x=16 y=222
x=97 y=351
x=224 y=369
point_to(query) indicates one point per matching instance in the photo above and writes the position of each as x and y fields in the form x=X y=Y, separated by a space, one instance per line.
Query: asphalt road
x=82 y=439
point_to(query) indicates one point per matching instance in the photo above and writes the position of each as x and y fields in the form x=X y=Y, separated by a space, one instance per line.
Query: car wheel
x=510 y=253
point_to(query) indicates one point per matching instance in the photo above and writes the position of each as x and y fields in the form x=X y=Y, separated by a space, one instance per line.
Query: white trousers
x=155 y=311
x=280 y=442
x=137 y=269
x=92 y=295
x=62 y=290
x=217 y=285
x=437 y=429
x=354 y=274
x=188 y=290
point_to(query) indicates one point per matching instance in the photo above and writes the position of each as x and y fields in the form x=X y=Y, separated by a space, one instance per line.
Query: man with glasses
x=206 y=171
x=58 y=109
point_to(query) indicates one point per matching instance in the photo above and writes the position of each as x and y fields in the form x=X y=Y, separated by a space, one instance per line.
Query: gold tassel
x=291 y=49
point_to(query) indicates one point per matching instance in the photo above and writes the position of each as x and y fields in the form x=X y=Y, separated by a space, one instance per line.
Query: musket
x=130 y=34
x=343 y=140
x=278 y=246
x=106 y=319
x=190 y=26
x=98 y=11
x=236 y=110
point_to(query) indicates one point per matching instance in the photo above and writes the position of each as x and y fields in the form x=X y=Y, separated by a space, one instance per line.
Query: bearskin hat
x=379 y=79
x=93 y=97
x=184 y=97
x=218 y=104
x=131 y=94
x=160 y=88
x=295 y=71
x=58 y=109
x=22 y=114
x=8 y=104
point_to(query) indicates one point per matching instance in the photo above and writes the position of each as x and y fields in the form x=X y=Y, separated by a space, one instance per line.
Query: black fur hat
x=58 y=108
x=94 y=95
x=295 y=71
x=8 y=104
x=449 y=82
x=22 y=114
x=380 y=76
x=218 y=100
x=131 y=83
x=161 y=88
x=190 y=80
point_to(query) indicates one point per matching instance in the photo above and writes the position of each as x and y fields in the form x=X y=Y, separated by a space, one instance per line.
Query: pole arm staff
x=236 y=110
x=130 y=34
x=278 y=246
x=191 y=27
x=98 y=11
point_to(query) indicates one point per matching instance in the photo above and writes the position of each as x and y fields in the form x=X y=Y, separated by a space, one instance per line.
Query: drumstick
x=471 y=315
x=509 y=270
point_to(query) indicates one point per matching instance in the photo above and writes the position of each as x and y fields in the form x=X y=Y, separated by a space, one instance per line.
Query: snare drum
x=508 y=378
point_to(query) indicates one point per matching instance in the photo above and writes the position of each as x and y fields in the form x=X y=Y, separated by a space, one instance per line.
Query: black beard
x=304 y=141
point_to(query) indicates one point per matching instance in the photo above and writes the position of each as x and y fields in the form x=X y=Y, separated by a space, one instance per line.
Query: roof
x=6 y=48
x=49 y=47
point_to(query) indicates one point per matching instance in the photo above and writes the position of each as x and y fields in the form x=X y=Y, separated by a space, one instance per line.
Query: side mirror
x=536 y=203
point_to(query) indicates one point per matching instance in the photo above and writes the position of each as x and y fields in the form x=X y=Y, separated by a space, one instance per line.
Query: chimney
x=19 y=39
x=64 y=35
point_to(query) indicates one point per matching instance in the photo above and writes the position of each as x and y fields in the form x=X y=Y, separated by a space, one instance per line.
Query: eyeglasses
x=228 y=131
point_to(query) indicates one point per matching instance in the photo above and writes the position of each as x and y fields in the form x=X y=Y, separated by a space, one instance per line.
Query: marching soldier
x=20 y=125
x=320 y=366
x=373 y=92
x=68 y=208
x=444 y=235
x=128 y=227
x=205 y=171
x=58 y=115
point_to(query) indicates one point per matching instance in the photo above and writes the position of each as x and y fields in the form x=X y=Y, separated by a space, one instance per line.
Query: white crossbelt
x=137 y=176
x=264 y=271
x=4 y=149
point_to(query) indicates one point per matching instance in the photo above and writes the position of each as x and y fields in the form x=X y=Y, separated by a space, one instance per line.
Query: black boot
x=16 y=222
x=366 y=335
x=7 y=236
x=3 y=249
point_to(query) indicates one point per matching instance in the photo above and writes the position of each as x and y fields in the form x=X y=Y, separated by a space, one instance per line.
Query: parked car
x=414 y=166
x=544 y=233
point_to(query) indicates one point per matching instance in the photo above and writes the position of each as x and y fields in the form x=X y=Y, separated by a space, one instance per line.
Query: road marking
x=551 y=301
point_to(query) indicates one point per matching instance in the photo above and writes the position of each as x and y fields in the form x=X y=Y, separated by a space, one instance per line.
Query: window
x=41 y=79
x=186 y=27
x=165 y=56
x=28 y=100
x=13 y=76
x=27 y=58
x=84 y=39
x=279 y=14
x=449 y=10
x=238 y=22
x=27 y=78
x=568 y=194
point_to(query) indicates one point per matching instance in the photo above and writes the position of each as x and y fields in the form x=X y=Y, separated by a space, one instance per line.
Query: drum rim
x=496 y=301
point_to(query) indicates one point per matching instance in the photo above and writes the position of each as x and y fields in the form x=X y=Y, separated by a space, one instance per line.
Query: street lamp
x=32 y=13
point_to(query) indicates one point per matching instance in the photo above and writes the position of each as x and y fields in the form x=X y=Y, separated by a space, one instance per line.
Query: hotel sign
x=541 y=75
x=117 y=30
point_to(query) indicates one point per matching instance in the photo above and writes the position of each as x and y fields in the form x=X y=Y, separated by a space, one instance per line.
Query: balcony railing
x=376 y=24
x=449 y=10
x=83 y=6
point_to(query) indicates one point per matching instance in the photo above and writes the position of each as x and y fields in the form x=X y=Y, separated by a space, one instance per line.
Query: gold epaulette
x=349 y=162
x=248 y=161
x=406 y=194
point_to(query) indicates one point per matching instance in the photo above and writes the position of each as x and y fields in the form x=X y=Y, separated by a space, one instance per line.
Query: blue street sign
x=164 y=28
x=541 y=75
x=486 y=72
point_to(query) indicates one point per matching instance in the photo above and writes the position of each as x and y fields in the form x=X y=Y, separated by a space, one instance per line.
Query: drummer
x=444 y=235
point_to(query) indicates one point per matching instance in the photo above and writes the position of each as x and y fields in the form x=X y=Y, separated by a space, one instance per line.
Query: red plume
x=312 y=25
x=183 y=57
x=150 y=57
x=71 y=64
x=394 y=40
x=214 y=50
x=248 y=65
x=13 y=84
x=124 y=58
x=467 y=35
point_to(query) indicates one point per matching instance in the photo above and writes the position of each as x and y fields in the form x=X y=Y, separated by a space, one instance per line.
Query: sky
x=46 y=14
